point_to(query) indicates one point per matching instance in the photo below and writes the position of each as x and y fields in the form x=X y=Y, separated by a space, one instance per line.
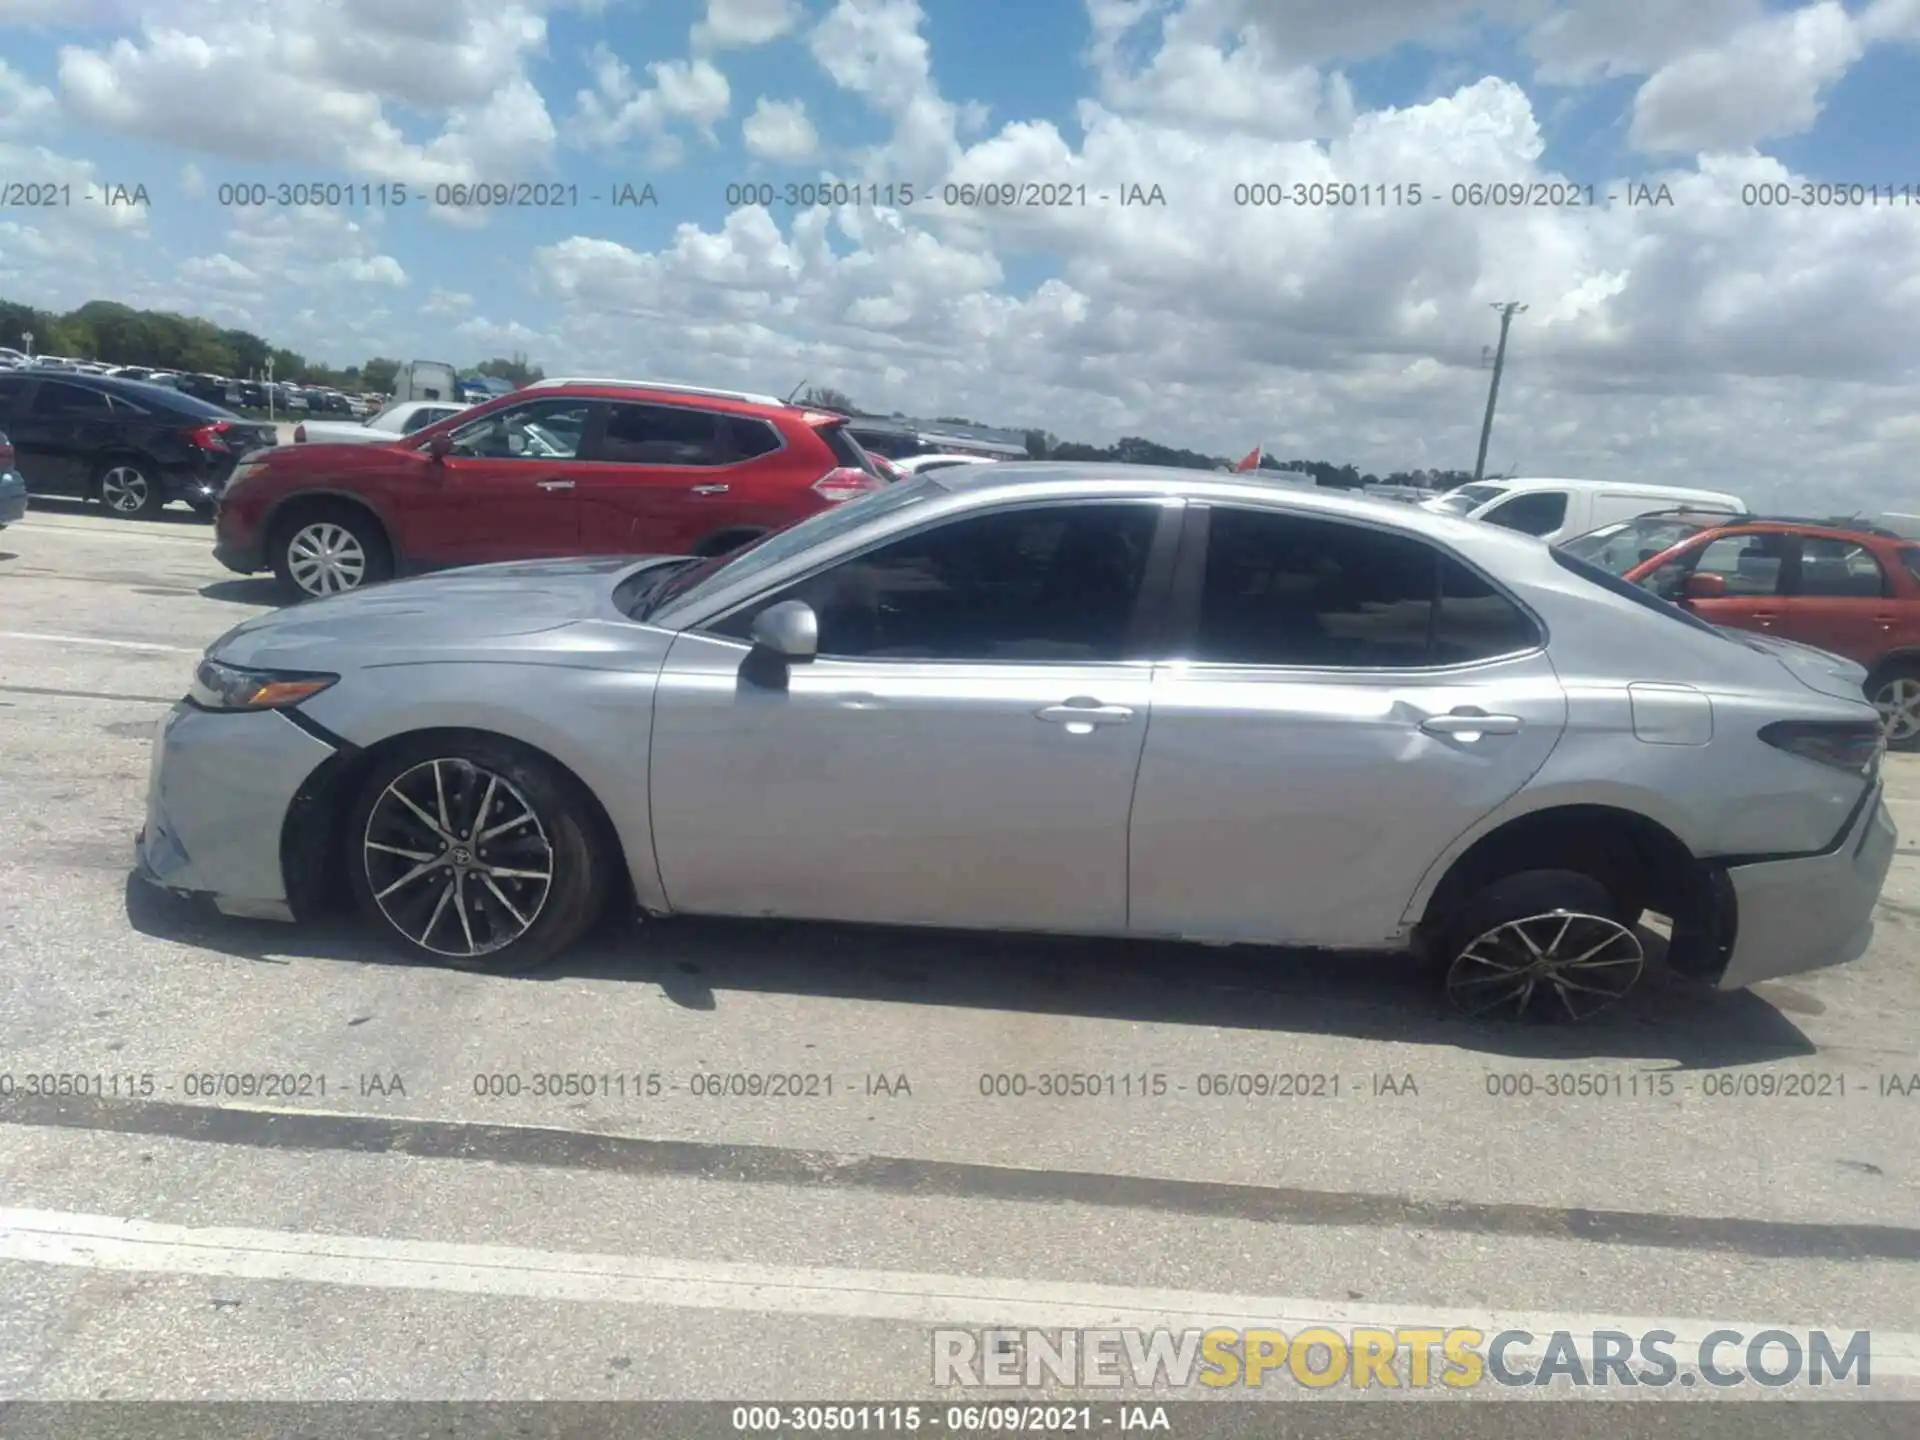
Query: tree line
x=116 y=334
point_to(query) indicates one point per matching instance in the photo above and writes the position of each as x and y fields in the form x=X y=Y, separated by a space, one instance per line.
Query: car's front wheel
x=328 y=549
x=471 y=851
x=1548 y=945
x=1895 y=693
x=129 y=490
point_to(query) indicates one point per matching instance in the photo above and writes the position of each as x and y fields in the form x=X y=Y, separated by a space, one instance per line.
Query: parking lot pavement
x=399 y=1213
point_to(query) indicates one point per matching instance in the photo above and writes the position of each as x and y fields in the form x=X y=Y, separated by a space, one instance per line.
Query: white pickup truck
x=391 y=424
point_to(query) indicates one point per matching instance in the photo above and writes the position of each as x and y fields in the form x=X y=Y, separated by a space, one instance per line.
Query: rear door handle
x=556 y=484
x=710 y=489
x=1461 y=723
x=1085 y=712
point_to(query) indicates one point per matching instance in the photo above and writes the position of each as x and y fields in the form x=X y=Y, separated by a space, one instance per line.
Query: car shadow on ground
x=697 y=962
x=175 y=513
x=246 y=590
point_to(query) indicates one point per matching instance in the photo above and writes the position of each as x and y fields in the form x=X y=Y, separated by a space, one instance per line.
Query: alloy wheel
x=1898 y=702
x=1561 y=965
x=326 y=558
x=125 y=490
x=456 y=858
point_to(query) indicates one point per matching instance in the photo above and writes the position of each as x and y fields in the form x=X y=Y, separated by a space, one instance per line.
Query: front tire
x=328 y=550
x=472 y=852
x=1895 y=693
x=1542 y=945
x=129 y=490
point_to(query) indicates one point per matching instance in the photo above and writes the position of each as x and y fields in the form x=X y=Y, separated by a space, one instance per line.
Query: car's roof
x=1631 y=487
x=1055 y=478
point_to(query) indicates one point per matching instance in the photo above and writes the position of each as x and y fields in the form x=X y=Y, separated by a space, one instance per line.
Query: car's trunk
x=1818 y=670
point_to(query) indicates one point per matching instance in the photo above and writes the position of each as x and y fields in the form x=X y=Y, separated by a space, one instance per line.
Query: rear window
x=1910 y=557
x=1469 y=497
x=178 y=402
x=1627 y=590
x=847 y=451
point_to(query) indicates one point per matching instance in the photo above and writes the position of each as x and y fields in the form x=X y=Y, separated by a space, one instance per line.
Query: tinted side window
x=420 y=419
x=1288 y=590
x=1750 y=564
x=1539 y=513
x=1841 y=569
x=1910 y=557
x=660 y=435
x=13 y=390
x=544 y=430
x=60 y=400
x=745 y=439
x=1044 y=583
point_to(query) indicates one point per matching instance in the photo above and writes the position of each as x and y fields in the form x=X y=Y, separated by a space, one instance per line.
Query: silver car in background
x=1101 y=700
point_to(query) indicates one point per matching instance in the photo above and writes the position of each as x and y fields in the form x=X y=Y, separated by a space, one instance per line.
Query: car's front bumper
x=218 y=792
x=1810 y=911
x=13 y=497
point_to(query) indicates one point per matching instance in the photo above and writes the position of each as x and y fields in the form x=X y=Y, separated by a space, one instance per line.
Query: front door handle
x=709 y=489
x=1471 y=724
x=556 y=484
x=1083 y=712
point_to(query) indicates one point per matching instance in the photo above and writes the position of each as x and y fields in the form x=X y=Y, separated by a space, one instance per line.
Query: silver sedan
x=1099 y=700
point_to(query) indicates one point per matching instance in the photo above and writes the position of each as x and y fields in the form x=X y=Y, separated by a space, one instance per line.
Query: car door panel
x=660 y=484
x=1842 y=600
x=894 y=793
x=497 y=496
x=1301 y=798
x=1304 y=810
x=962 y=752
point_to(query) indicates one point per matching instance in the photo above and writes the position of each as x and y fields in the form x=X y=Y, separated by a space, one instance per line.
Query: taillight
x=6 y=453
x=210 y=437
x=844 y=482
x=1851 y=745
x=300 y=434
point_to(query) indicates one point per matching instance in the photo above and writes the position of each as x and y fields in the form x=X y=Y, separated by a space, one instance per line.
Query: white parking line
x=92 y=640
x=101 y=1242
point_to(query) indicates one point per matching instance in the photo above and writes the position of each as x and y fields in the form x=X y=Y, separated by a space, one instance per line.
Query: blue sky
x=1056 y=318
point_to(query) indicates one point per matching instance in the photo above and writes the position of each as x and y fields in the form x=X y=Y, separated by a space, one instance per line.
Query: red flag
x=1252 y=462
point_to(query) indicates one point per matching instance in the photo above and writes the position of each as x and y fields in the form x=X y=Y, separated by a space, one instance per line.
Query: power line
x=1508 y=309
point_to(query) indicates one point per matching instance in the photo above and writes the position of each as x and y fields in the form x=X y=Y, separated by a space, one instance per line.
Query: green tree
x=825 y=397
x=378 y=373
x=514 y=369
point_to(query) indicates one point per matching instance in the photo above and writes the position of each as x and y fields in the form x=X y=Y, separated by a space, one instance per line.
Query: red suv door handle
x=710 y=489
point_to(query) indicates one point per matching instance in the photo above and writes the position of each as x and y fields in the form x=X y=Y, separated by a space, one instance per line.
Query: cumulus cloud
x=779 y=130
x=738 y=23
x=618 y=107
x=1766 y=80
x=311 y=82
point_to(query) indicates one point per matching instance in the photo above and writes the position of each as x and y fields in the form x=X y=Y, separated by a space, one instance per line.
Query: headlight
x=228 y=687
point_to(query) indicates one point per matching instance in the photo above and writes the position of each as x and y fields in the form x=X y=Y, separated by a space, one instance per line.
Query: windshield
x=710 y=576
x=1467 y=498
x=1619 y=547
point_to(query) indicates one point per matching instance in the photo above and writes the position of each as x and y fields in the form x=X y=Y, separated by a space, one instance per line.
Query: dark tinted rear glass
x=166 y=398
x=847 y=450
x=1627 y=590
x=1911 y=557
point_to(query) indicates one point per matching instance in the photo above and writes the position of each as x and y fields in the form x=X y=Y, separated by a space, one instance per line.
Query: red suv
x=1850 y=589
x=558 y=468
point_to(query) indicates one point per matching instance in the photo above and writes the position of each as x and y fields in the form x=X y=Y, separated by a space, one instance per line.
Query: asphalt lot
x=404 y=1235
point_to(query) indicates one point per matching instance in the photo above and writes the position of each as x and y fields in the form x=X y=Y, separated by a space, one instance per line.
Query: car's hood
x=456 y=609
x=1818 y=670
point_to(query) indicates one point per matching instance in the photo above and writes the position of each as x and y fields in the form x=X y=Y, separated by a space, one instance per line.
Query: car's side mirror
x=790 y=630
x=1704 y=587
x=440 y=446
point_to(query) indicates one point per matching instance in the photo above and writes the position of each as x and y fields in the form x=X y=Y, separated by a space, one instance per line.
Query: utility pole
x=1507 y=311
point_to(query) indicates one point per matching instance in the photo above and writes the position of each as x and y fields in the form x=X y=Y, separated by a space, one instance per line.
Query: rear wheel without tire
x=1548 y=945
x=1895 y=693
x=129 y=490
x=473 y=852
x=329 y=551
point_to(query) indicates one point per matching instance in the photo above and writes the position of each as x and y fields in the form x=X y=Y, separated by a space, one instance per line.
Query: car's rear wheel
x=473 y=852
x=1548 y=945
x=129 y=490
x=328 y=550
x=1895 y=693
